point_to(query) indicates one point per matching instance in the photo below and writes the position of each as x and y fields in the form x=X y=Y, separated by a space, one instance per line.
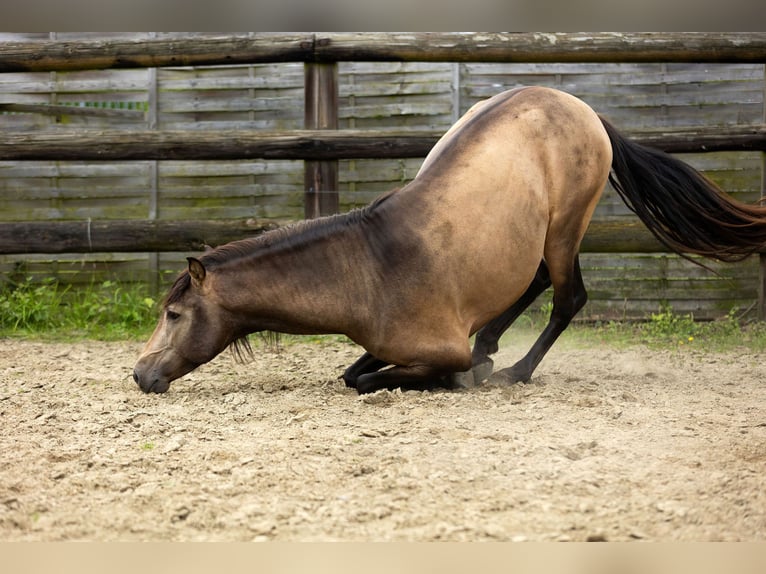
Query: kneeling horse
x=494 y=217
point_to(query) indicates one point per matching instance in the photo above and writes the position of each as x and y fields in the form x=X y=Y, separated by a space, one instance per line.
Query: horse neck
x=317 y=278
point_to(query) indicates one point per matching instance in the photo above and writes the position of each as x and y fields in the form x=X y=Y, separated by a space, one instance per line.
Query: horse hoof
x=483 y=371
x=461 y=380
x=365 y=387
x=509 y=376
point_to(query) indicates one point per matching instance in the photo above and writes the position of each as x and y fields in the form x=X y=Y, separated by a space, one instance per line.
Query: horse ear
x=196 y=270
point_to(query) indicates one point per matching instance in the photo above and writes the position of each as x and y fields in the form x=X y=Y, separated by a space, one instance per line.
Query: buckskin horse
x=493 y=218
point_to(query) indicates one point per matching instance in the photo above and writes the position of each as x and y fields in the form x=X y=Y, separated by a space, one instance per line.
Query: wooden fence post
x=153 y=120
x=321 y=112
x=761 y=311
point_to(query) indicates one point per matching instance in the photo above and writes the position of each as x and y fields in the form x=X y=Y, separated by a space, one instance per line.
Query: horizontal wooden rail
x=124 y=236
x=536 y=47
x=116 y=145
x=95 y=54
x=136 y=236
x=63 y=55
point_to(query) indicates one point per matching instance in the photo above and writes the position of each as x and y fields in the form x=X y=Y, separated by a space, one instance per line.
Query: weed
x=669 y=326
x=102 y=311
x=669 y=329
x=664 y=329
x=29 y=305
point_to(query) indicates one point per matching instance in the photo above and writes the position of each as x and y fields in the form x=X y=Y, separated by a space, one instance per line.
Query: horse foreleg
x=569 y=296
x=414 y=378
x=487 y=338
x=367 y=363
x=436 y=359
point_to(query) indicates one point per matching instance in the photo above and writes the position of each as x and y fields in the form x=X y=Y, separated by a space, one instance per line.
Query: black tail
x=681 y=207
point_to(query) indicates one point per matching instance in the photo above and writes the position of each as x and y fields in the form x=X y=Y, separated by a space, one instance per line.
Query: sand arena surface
x=606 y=443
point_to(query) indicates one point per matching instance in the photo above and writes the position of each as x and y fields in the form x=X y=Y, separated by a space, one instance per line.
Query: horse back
x=527 y=166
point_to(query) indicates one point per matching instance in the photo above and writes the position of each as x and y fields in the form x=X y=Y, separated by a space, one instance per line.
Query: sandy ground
x=605 y=444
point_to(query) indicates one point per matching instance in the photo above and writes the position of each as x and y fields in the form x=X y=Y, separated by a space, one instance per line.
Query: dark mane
x=290 y=236
x=283 y=238
x=178 y=288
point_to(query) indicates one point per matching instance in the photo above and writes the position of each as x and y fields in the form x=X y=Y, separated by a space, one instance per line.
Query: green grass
x=665 y=329
x=113 y=311
x=47 y=309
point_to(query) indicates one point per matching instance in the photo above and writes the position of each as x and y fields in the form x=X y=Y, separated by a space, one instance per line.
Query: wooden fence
x=328 y=136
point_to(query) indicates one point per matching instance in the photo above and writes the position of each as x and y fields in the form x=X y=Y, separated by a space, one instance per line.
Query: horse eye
x=172 y=315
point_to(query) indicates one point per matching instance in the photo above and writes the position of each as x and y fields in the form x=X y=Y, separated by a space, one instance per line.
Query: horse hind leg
x=488 y=337
x=569 y=296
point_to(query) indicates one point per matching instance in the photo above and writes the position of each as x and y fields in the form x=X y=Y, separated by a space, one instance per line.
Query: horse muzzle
x=150 y=383
x=153 y=372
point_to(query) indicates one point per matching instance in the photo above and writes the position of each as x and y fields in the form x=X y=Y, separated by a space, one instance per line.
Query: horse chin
x=157 y=380
x=158 y=386
x=151 y=384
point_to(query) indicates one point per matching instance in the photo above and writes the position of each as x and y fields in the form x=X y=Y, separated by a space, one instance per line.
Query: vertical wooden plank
x=321 y=113
x=456 y=109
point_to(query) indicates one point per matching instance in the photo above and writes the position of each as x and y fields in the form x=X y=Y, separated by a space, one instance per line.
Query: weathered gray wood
x=89 y=54
x=102 y=145
x=372 y=46
x=53 y=110
x=761 y=312
x=620 y=237
x=124 y=236
x=543 y=47
x=679 y=140
x=411 y=97
x=163 y=235
x=622 y=287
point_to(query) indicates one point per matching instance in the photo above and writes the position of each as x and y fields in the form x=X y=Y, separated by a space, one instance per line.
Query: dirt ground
x=605 y=444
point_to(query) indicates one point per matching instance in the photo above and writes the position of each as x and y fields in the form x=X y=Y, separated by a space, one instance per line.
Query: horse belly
x=496 y=279
x=480 y=262
x=428 y=316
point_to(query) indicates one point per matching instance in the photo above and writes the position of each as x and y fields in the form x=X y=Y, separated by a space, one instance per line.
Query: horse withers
x=493 y=218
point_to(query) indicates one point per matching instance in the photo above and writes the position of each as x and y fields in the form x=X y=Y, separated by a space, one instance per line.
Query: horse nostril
x=135 y=377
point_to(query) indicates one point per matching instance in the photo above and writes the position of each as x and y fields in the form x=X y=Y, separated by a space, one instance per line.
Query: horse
x=494 y=217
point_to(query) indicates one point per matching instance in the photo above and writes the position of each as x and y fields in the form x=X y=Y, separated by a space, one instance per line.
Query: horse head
x=193 y=328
